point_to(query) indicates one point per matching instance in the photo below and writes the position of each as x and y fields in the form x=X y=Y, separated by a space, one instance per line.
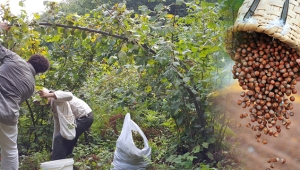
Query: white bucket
x=61 y=164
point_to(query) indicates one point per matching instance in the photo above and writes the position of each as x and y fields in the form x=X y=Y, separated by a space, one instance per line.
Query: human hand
x=45 y=94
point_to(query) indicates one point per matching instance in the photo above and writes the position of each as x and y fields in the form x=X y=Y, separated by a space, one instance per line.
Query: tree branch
x=198 y=106
x=84 y=29
x=31 y=113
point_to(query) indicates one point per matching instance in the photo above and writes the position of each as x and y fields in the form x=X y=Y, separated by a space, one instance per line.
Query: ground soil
x=253 y=155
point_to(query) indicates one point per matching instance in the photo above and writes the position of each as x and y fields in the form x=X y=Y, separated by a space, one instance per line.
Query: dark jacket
x=17 y=84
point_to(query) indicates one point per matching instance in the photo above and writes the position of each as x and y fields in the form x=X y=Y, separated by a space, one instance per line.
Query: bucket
x=61 y=164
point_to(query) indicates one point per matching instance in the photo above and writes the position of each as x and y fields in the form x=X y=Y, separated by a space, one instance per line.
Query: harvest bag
x=66 y=121
x=127 y=155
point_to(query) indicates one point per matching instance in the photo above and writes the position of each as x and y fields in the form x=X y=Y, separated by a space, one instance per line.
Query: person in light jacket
x=62 y=102
x=17 y=84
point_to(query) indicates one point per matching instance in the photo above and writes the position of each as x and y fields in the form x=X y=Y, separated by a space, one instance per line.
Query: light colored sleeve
x=62 y=96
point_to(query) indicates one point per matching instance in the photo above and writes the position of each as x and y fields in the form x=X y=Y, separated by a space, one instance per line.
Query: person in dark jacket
x=17 y=84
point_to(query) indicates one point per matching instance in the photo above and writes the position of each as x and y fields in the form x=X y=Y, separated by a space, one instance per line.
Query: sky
x=31 y=6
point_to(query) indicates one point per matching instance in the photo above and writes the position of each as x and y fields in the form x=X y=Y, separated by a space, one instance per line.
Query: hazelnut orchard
x=266 y=70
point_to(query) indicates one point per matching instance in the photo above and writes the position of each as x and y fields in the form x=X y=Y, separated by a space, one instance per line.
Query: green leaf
x=148 y=89
x=83 y=34
x=42 y=31
x=170 y=158
x=36 y=16
x=186 y=79
x=120 y=70
x=162 y=60
x=196 y=149
x=24 y=27
x=122 y=54
x=151 y=62
x=144 y=9
x=210 y=155
x=159 y=7
x=21 y=4
x=205 y=145
x=194 y=49
x=211 y=25
x=55 y=38
x=212 y=139
x=175 y=64
x=77 y=33
x=179 y=2
x=179 y=119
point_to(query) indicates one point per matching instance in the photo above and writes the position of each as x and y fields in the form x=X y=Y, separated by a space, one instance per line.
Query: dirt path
x=253 y=155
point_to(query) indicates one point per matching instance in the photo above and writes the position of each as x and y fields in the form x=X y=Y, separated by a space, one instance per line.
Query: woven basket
x=279 y=19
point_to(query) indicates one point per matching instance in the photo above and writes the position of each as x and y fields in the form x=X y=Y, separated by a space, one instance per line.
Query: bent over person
x=62 y=102
x=17 y=84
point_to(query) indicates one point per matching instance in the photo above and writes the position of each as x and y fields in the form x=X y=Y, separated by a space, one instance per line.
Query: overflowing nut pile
x=267 y=70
